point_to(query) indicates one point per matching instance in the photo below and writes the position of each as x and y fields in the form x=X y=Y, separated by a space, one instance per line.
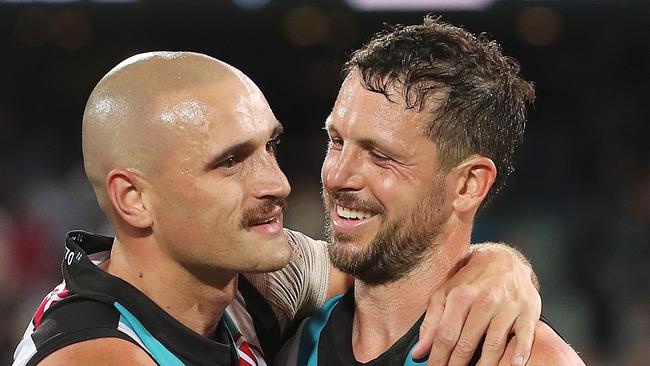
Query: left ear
x=474 y=178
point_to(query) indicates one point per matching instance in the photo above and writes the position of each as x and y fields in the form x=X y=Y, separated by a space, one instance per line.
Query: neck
x=196 y=304
x=384 y=313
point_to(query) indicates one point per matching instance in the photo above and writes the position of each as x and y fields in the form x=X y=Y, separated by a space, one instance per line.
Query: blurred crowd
x=578 y=204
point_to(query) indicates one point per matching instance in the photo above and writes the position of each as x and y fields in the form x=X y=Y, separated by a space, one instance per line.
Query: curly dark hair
x=483 y=108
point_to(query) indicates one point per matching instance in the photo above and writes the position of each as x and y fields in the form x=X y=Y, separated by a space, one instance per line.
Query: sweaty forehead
x=205 y=118
x=356 y=104
x=205 y=105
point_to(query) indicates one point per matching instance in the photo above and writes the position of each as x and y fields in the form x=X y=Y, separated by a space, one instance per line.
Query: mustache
x=263 y=210
x=349 y=199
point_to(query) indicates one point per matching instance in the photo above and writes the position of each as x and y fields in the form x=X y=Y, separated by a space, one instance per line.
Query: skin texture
x=380 y=157
x=548 y=349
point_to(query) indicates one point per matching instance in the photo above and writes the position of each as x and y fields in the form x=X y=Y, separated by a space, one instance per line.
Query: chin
x=273 y=256
x=352 y=243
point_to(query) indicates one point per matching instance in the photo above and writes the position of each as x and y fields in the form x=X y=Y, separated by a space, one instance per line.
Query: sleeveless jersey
x=92 y=304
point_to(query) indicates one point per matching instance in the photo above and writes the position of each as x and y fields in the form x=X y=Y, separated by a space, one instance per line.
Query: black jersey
x=325 y=339
x=92 y=304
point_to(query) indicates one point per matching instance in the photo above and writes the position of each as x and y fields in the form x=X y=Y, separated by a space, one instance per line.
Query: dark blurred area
x=578 y=205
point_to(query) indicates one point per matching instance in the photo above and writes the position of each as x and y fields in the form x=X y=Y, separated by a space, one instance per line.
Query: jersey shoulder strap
x=71 y=321
x=311 y=331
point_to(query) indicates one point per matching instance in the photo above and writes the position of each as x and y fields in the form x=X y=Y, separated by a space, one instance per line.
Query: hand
x=496 y=291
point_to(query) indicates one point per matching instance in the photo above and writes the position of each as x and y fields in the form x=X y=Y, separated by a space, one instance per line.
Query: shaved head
x=142 y=106
x=180 y=149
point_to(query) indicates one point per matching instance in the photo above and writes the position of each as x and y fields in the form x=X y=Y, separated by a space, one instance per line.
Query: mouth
x=349 y=219
x=349 y=213
x=270 y=223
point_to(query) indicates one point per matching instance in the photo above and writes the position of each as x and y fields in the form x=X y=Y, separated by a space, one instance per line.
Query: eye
x=335 y=143
x=379 y=157
x=272 y=145
x=228 y=162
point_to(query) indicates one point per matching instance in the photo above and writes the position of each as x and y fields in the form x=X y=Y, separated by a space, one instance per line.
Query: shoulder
x=548 y=349
x=104 y=351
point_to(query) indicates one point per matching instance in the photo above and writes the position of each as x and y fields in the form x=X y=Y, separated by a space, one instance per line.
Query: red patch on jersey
x=249 y=354
x=58 y=294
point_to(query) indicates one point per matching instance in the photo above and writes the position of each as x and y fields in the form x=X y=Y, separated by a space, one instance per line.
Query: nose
x=268 y=179
x=342 y=171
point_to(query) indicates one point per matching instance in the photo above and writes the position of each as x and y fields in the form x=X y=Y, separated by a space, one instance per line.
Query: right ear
x=125 y=191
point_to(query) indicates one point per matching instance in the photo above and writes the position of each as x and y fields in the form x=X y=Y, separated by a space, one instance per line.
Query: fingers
x=483 y=314
x=524 y=328
x=453 y=318
x=429 y=324
x=496 y=338
x=525 y=335
x=470 y=338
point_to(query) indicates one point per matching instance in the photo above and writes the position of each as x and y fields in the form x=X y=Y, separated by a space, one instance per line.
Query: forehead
x=359 y=110
x=206 y=117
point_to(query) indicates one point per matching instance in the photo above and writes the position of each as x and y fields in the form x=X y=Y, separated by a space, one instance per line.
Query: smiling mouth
x=348 y=213
x=269 y=224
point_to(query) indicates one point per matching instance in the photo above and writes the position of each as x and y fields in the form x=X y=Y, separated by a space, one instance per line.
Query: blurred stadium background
x=578 y=205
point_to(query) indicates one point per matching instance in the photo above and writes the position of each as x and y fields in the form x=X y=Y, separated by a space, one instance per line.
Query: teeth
x=265 y=222
x=350 y=214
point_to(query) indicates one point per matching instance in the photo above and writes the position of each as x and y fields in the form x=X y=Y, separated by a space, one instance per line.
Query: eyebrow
x=328 y=123
x=243 y=148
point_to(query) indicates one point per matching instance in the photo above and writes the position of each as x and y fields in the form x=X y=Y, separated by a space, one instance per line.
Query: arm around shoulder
x=101 y=351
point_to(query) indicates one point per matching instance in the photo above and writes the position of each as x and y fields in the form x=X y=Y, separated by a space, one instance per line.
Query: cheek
x=203 y=204
x=385 y=187
x=394 y=191
x=221 y=202
x=328 y=164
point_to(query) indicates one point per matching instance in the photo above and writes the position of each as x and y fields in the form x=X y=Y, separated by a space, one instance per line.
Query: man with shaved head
x=180 y=150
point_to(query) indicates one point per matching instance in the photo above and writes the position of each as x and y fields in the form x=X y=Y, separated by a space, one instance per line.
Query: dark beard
x=397 y=249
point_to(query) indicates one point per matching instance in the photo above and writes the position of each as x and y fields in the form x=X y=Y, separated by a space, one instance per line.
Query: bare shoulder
x=101 y=351
x=548 y=349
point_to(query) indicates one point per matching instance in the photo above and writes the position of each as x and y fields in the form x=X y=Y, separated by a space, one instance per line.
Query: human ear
x=474 y=178
x=125 y=191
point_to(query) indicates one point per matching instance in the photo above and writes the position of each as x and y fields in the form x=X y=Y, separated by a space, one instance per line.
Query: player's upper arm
x=548 y=349
x=300 y=288
x=338 y=283
x=101 y=351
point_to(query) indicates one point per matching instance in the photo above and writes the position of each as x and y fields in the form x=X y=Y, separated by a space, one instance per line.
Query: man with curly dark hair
x=423 y=132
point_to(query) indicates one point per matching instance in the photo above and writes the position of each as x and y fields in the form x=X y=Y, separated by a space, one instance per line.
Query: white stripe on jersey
x=239 y=315
x=122 y=327
x=26 y=348
x=244 y=358
x=242 y=319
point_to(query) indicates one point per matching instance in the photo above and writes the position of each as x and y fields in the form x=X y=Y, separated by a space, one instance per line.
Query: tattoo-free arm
x=493 y=294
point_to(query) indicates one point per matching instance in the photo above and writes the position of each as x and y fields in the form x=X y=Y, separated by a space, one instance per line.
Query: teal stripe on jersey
x=159 y=352
x=308 y=349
